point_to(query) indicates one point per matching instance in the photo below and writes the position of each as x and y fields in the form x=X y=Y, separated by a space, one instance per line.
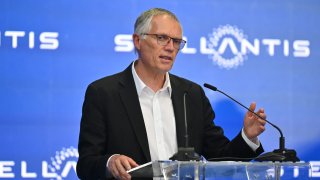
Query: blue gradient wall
x=262 y=51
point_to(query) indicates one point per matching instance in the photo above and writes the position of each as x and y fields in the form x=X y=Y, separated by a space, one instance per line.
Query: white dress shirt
x=159 y=119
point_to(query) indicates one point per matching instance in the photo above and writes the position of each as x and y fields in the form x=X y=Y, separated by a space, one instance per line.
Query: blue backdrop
x=262 y=51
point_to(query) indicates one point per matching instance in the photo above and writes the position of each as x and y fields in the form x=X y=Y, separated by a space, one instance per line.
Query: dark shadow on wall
x=229 y=116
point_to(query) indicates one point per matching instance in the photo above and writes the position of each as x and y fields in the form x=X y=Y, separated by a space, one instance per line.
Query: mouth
x=169 y=58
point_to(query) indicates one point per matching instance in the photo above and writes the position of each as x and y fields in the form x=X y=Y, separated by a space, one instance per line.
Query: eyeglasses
x=163 y=40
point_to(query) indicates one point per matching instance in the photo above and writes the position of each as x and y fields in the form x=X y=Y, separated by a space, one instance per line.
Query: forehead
x=165 y=24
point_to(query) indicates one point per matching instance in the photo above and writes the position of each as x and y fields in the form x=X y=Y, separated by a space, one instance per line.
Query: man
x=137 y=115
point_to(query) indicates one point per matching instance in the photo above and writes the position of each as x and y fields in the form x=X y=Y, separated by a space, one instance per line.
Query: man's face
x=155 y=57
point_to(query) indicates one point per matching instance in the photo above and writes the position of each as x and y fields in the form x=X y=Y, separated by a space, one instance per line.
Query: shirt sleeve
x=253 y=145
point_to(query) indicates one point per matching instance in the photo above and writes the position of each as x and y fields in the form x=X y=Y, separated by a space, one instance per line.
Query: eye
x=177 y=41
x=162 y=37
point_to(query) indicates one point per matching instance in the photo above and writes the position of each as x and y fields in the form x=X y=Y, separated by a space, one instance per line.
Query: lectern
x=224 y=170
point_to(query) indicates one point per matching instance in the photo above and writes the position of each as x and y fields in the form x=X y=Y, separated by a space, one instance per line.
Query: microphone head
x=213 y=88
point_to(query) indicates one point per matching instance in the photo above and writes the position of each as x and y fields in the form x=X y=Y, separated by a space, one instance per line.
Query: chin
x=167 y=67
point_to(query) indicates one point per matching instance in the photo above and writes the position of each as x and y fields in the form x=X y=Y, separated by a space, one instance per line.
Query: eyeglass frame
x=164 y=43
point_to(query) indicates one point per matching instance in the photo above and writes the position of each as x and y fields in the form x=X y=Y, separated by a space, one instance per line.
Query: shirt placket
x=158 y=126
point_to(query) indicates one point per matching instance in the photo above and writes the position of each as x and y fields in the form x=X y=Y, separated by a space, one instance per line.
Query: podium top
x=222 y=170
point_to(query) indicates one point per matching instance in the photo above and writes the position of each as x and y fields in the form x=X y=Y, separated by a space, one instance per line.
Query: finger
x=262 y=114
x=126 y=164
x=125 y=176
x=260 y=111
x=132 y=162
x=112 y=166
x=252 y=106
x=262 y=122
x=262 y=128
x=114 y=171
x=120 y=165
x=251 y=109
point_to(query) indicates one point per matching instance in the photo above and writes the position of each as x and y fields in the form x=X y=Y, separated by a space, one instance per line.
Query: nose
x=170 y=45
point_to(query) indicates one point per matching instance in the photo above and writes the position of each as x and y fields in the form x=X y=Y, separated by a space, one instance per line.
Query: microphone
x=186 y=153
x=186 y=135
x=281 y=154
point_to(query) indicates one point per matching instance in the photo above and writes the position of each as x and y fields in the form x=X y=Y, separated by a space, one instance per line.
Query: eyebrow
x=161 y=34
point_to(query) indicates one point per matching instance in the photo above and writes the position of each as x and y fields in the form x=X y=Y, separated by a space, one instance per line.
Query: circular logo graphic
x=61 y=159
x=222 y=38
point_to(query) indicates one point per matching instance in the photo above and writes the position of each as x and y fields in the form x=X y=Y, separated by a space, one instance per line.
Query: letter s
x=301 y=48
x=123 y=43
x=49 y=40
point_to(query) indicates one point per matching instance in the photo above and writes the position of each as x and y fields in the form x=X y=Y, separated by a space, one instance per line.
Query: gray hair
x=143 y=22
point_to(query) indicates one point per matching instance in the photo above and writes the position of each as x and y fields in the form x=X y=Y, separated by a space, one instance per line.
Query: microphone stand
x=186 y=153
x=281 y=154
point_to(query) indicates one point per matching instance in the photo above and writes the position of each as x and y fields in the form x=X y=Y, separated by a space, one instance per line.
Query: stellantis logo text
x=15 y=39
x=228 y=47
x=62 y=165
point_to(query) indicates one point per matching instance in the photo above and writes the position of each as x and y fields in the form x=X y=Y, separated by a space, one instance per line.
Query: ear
x=136 y=41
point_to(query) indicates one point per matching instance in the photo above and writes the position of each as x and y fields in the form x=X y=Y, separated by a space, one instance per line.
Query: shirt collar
x=140 y=85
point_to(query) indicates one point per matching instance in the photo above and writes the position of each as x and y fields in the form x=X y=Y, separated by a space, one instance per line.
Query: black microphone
x=281 y=154
x=186 y=153
x=186 y=135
